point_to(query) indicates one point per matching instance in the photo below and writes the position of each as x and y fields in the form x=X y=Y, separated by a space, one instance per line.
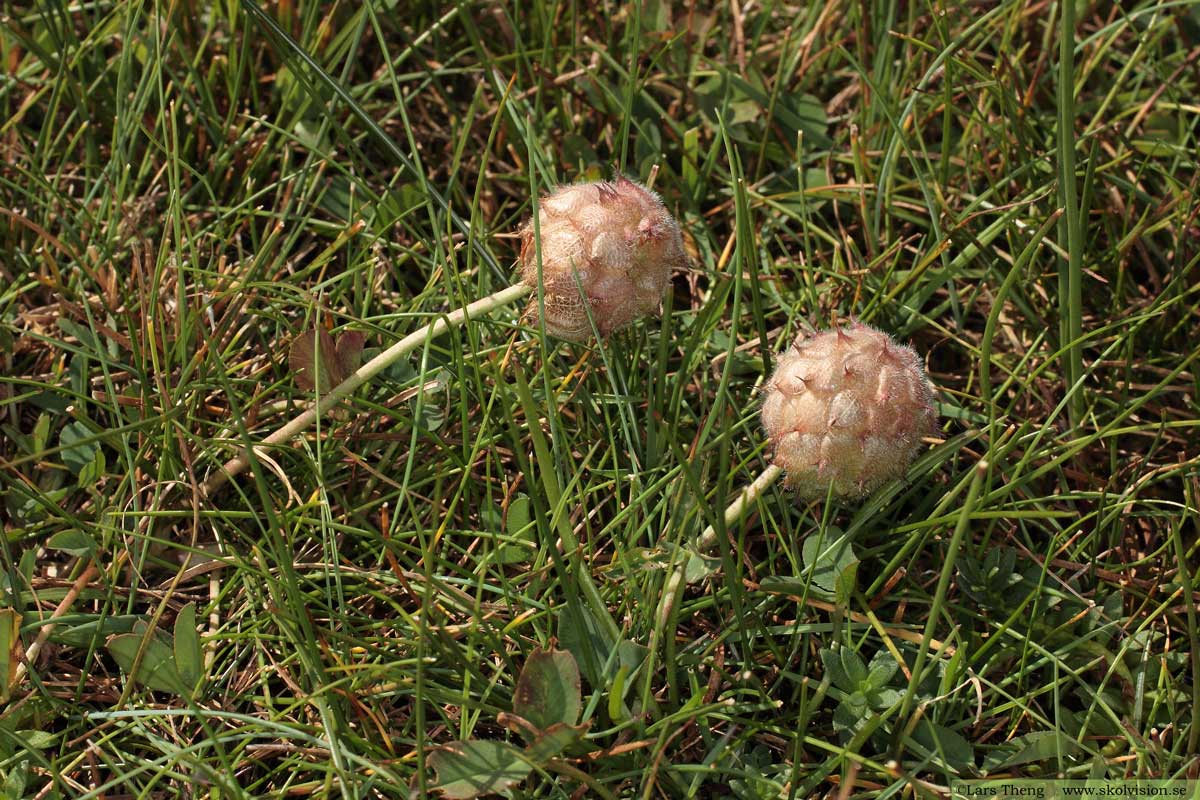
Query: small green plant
x=868 y=703
x=163 y=662
x=546 y=707
x=865 y=687
x=994 y=582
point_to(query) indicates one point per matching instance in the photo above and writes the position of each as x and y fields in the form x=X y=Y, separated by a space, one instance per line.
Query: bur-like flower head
x=846 y=407
x=616 y=241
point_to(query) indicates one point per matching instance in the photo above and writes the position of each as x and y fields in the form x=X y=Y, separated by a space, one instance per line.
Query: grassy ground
x=185 y=186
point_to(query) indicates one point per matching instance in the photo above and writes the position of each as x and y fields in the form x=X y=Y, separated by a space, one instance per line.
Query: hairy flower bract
x=846 y=408
x=607 y=248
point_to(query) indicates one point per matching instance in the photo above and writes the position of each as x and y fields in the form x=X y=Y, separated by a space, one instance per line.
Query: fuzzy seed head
x=846 y=407
x=616 y=240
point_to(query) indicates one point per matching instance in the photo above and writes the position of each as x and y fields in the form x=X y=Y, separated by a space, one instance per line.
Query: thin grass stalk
x=1070 y=228
x=1185 y=583
x=943 y=588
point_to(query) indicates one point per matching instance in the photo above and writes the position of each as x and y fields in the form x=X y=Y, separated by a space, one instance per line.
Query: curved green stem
x=733 y=513
x=379 y=363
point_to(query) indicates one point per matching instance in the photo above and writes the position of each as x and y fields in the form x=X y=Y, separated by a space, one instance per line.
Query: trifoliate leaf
x=317 y=362
x=157 y=669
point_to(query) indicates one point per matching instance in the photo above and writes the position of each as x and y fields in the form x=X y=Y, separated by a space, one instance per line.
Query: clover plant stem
x=64 y=606
x=366 y=372
x=737 y=509
x=734 y=512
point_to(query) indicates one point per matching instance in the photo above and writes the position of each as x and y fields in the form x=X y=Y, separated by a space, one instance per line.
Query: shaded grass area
x=186 y=186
